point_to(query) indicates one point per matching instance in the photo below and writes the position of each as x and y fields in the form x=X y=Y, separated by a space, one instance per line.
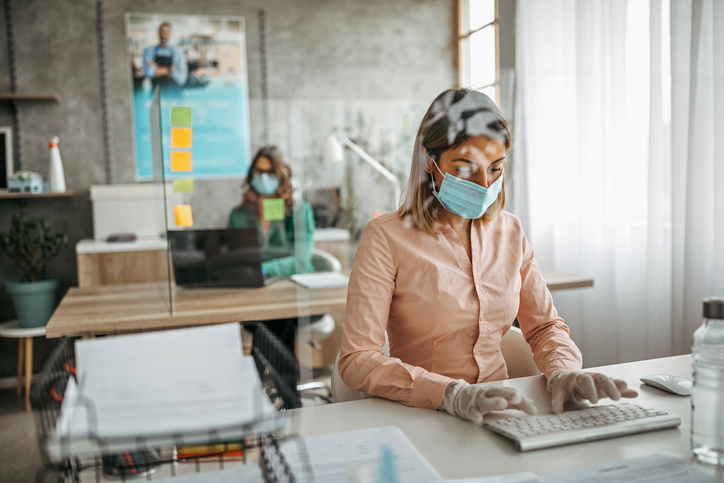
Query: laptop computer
x=228 y=257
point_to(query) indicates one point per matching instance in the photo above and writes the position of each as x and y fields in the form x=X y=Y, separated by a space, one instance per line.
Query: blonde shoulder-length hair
x=455 y=116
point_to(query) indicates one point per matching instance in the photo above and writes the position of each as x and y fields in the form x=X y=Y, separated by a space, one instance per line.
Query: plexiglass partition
x=246 y=217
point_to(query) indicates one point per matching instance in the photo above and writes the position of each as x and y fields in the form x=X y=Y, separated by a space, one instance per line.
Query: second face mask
x=265 y=184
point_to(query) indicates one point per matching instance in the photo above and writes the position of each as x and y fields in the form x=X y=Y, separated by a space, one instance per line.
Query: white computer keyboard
x=587 y=424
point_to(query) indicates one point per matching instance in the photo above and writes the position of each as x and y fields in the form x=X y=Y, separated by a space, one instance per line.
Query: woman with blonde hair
x=447 y=274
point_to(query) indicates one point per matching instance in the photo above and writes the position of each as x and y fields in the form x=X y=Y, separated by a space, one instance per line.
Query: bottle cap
x=714 y=308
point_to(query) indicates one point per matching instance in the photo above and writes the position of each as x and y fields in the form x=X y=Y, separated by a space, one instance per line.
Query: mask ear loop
x=432 y=178
x=434 y=191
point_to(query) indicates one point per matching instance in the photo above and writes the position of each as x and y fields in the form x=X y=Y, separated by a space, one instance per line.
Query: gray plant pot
x=34 y=302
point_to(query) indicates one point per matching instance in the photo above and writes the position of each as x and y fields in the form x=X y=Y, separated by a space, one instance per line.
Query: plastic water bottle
x=707 y=397
x=57 y=177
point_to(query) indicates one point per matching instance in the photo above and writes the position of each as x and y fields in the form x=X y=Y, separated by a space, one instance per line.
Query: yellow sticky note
x=180 y=161
x=273 y=209
x=180 y=137
x=182 y=213
x=183 y=185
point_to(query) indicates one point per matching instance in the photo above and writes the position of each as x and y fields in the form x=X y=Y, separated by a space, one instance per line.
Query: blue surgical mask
x=265 y=184
x=465 y=198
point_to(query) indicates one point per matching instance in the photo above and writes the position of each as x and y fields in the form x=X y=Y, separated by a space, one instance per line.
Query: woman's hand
x=578 y=386
x=472 y=401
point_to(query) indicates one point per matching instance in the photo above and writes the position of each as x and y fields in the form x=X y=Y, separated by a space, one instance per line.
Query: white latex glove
x=472 y=401
x=578 y=386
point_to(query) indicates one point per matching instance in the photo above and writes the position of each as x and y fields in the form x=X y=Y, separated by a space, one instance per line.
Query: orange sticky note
x=180 y=161
x=180 y=137
x=182 y=213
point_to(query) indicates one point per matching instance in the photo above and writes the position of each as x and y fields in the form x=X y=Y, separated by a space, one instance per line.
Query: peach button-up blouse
x=444 y=314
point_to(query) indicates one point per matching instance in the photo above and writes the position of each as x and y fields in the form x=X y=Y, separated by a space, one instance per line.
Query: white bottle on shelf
x=57 y=177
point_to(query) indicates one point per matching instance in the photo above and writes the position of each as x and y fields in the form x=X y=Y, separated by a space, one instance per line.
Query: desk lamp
x=334 y=153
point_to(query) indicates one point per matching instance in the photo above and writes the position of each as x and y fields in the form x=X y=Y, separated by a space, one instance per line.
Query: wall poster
x=199 y=62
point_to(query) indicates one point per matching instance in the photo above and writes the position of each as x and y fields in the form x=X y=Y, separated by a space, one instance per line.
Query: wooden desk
x=114 y=263
x=565 y=281
x=146 y=260
x=137 y=307
x=124 y=308
x=459 y=449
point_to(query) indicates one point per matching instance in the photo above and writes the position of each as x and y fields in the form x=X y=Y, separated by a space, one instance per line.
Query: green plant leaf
x=32 y=244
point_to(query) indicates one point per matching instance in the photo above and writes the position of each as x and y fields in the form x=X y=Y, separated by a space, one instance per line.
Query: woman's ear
x=429 y=166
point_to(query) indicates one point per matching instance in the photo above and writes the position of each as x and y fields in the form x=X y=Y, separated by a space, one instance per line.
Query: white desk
x=458 y=449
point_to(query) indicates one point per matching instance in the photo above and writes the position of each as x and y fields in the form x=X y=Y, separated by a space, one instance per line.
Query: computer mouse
x=673 y=384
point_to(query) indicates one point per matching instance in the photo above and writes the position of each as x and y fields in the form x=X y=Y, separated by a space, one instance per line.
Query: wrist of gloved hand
x=578 y=386
x=473 y=401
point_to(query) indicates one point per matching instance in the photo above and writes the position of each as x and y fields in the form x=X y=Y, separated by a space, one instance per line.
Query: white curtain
x=620 y=143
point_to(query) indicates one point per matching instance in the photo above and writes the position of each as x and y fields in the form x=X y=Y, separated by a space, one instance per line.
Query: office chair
x=322 y=328
x=516 y=352
x=341 y=392
x=278 y=368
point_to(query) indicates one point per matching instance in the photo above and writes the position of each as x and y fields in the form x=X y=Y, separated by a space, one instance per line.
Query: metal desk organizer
x=279 y=373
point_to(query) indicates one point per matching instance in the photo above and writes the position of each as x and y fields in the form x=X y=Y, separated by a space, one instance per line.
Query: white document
x=527 y=477
x=321 y=279
x=250 y=473
x=173 y=398
x=656 y=468
x=198 y=343
x=334 y=457
x=183 y=382
x=73 y=436
x=68 y=408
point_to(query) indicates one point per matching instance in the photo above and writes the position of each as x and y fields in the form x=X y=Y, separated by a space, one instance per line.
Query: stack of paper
x=342 y=456
x=187 y=386
x=321 y=279
x=657 y=468
x=247 y=474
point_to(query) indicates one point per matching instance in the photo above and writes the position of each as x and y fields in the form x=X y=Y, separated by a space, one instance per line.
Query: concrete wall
x=339 y=51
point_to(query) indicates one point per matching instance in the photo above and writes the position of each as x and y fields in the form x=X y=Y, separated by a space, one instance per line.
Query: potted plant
x=31 y=243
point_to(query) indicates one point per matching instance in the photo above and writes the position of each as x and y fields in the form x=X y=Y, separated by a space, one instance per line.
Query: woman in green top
x=285 y=226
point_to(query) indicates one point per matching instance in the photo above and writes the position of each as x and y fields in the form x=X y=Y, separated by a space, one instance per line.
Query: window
x=478 y=46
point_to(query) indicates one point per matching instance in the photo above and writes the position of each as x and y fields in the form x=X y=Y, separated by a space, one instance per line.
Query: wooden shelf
x=30 y=97
x=5 y=194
